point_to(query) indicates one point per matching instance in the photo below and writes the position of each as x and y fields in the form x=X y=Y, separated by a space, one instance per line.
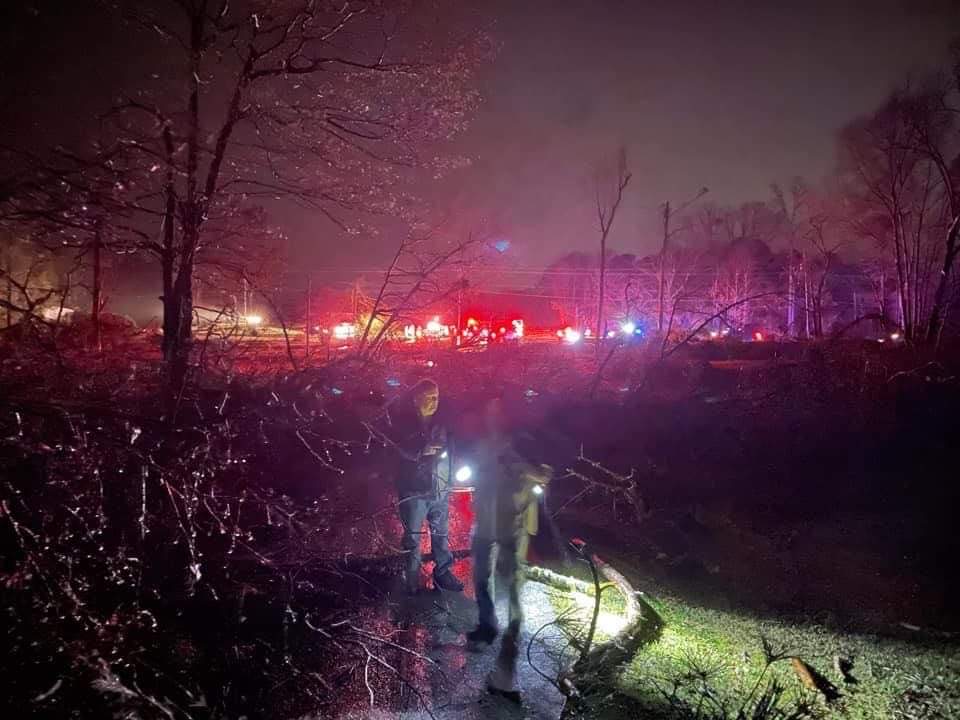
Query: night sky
x=731 y=95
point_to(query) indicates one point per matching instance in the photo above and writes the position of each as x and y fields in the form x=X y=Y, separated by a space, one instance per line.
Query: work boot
x=502 y=680
x=447 y=581
x=511 y=695
x=411 y=582
x=481 y=637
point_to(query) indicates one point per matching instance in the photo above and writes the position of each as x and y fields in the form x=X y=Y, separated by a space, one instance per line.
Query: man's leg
x=438 y=518
x=503 y=679
x=514 y=559
x=413 y=510
x=484 y=560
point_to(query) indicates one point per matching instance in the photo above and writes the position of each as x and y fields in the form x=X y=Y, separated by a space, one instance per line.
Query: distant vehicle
x=344 y=331
x=893 y=338
x=436 y=330
x=720 y=334
x=59 y=314
x=433 y=329
x=755 y=333
x=572 y=336
x=507 y=331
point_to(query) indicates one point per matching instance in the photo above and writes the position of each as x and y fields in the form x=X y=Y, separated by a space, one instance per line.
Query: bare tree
x=931 y=119
x=826 y=250
x=901 y=192
x=28 y=283
x=424 y=271
x=607 y=202
x=68 y=204
x=322 y=105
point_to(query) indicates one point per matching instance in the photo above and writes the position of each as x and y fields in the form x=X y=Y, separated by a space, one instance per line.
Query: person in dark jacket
x=423 y=447
x=506 y=504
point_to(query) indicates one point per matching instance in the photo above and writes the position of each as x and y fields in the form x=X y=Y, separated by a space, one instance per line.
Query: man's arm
x=519 y=466
x=393 y=430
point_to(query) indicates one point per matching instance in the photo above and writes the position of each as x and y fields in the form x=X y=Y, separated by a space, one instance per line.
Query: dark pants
x=513 y=557
x=436 y=511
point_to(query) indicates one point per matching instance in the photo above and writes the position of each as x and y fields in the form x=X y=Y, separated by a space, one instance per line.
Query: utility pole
x=459 y=313
x=8 y=271
x=791 y=313
x=307 y=321
x=97 y=292
x=661 y=281
x=663 y=256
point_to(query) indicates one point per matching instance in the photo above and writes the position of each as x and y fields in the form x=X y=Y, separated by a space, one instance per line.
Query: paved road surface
x=433 y=624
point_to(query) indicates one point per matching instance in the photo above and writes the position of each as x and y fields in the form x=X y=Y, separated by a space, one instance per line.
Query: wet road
x=431 y=627
x=423 y=667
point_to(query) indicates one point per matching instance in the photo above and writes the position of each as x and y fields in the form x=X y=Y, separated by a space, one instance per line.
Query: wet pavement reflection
x=422 y=666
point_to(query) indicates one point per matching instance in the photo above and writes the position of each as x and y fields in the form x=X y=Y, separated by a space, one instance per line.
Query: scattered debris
x=813 y=680
x=844 y=669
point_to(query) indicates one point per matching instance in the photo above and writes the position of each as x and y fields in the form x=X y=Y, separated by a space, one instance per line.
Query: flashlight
x=538 y=489
x=464 y=474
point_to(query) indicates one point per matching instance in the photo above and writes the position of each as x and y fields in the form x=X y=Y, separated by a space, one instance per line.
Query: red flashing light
x=758 y=336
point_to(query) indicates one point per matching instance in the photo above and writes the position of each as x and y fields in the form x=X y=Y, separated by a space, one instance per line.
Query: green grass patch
x=707 y=663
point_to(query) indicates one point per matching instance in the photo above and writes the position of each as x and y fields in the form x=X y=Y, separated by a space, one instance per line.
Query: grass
x=706 y=660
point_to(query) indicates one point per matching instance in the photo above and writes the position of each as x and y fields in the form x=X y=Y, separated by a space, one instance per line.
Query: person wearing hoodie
x=421 y=443
x=506 y=505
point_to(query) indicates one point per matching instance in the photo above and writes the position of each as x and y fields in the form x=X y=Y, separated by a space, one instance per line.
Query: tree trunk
x=179 y=308
x=903 y=276
x=938 y=311
x=8 y=271
x=169 y=305
x=97 y=293
x=663 y=255
x=167 y=254
x=790 y=299
x=601 y=333
x=180 y=311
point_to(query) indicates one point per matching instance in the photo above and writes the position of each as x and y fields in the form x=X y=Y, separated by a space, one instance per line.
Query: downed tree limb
x=598 y=666
x=560 y=582
x=596 y=670
x=595 y=476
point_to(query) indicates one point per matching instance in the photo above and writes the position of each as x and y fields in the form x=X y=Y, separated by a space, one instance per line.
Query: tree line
x=250 y=108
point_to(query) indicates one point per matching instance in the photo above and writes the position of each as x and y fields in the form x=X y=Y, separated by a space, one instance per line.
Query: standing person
x=505 y=507
x=421 y=443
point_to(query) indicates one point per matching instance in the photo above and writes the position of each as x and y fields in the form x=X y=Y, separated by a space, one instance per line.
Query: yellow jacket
x=505 y=504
